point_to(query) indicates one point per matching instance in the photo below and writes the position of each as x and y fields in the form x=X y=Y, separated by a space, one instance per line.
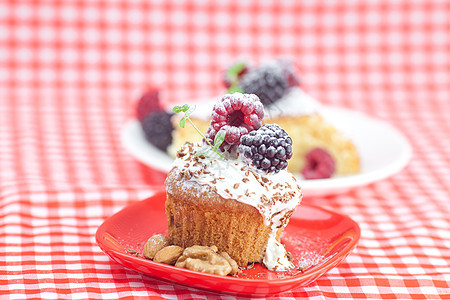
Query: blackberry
x=158 y=129
x=268 y=82
x=267 y=148
x=148 y=103
x=237 y=114
x=319 y=164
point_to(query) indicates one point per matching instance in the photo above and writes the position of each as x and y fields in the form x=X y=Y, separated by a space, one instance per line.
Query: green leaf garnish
x=176 y=109
x=183 y=122
x=181 y=108
x=187 y=110
x=234 y=88
x=185 y=107
x=234 y=70
x=233 y=76
x=220 y=137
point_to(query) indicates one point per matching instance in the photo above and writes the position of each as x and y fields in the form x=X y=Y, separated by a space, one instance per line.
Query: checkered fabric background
x=70 y=72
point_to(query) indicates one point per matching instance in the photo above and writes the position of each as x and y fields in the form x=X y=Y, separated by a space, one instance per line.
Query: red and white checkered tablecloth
x=70 y=72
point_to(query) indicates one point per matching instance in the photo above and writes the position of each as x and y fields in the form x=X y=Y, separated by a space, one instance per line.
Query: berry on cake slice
x=270 y=81
x=319 y=165
x=267 y=82
x=236 y=114
x=289 y=72
x=267 y=148
x=148 y=103
x=157 y=127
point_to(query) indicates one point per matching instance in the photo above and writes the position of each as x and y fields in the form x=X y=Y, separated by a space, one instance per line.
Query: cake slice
x=321 y=150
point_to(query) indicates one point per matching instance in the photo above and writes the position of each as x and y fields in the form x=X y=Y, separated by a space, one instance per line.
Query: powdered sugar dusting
x=295 y=103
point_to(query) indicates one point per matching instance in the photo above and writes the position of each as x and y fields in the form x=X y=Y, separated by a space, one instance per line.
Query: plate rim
x=310 y=187
x=309 y=275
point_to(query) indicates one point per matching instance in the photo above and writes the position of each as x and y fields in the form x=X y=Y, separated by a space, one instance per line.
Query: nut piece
x=168 y=255
x=203 y=259
x=232 y=262
x=154 y=244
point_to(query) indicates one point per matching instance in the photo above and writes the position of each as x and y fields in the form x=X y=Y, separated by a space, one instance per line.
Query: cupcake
x=232 y=189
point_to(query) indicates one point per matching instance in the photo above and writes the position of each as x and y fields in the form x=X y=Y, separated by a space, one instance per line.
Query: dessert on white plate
x=321 y=149
x=340 y=148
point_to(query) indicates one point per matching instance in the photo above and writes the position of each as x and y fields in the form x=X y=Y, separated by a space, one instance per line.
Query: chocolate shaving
x=264 y=199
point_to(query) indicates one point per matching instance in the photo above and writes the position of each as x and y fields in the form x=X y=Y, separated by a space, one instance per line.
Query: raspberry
x=319 y=164
x=267 y=81
x=289 y=72
x=267 y=148
x=148 y=103
x=237 y=114
x=158 y=129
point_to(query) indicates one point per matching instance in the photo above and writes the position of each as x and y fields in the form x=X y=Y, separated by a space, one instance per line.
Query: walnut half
x=204 y=259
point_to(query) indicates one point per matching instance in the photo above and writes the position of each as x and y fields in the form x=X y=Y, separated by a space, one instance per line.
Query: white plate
x=383 y=151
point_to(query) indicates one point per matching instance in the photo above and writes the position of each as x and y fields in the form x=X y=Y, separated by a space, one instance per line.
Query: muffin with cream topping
x=232 y=190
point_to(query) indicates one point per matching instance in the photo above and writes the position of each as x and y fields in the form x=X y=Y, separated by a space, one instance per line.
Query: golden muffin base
x=307 y=132
x=199 y=217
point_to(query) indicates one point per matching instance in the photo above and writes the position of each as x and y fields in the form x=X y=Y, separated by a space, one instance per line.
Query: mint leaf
x=234 y=70
x=220 y=137
x=233 y=76
x=176 y=109
x=185 y=107
x=183 y=122
x=234 y=88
